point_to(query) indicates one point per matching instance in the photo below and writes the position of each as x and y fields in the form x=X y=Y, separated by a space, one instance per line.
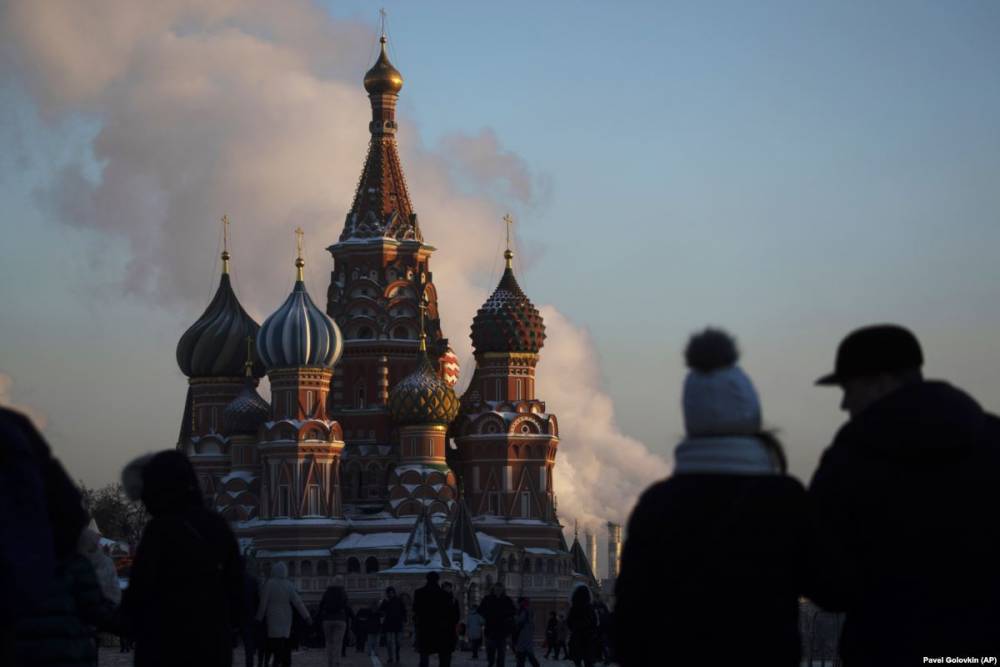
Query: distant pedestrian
x=393 y=611
x=373 y=621
x=551 y=634
x=562 y=637
x=904 y=501
x=435 y=622
x=584 y=641
x=185 y=592
x=454 y=614
x=728 y=524
x=276 y=602
x=524 y=625
x=332 y=615
x=498 y=612
x=362 y=625
x=474 y=631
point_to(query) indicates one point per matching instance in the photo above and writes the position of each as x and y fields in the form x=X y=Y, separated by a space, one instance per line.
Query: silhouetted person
x=584 y=641
x=728 y=525
x=276 y=602
x=562 y=637
x=551 y=634
x=332 y=615
x=454 y=616
x=474 y=631
x=248 y=623
x=50 y=599
x=393 y=613
x=185 y=594
x=433 y=611
x=524 y=625
x=905 y=500
x=498 y=612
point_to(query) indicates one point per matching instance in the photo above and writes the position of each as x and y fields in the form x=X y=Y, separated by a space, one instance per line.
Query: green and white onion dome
x=299 y=333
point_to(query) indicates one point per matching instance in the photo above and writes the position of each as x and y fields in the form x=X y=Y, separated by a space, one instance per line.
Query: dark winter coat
x=185 y=595
x=583 y=633
x=393 y=614
x=368 y=621
x=712 y=560
x=436 y=616
x=60 y=631
x=498 y=614
x=41 y=517
x=906 y=538
x=333 y=606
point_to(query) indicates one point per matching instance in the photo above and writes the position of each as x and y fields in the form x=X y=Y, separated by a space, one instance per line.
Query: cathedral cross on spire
x=299 y=262
x=381 y=15
x=248 y=365
x=225 y=244
x=508 y=254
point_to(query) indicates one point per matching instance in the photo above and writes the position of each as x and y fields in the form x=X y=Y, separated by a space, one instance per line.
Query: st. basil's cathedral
x=365 y=463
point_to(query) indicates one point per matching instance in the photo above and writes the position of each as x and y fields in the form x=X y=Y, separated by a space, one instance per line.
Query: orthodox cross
x=381 y=16
x=509 y=221
x=298 y=240
x=225 y=244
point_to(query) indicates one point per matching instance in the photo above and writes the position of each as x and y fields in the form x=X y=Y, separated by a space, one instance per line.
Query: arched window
x=526 y=565
x=353 y=565
x=291 y=568
x=365 y=333
x=538 y=565
x=401 y=333
x=322 y=568
x=371 y=565
x=306 y=569
x=359 y=396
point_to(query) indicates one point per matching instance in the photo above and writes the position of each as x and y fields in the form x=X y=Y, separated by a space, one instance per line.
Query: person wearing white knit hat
x=710 y=563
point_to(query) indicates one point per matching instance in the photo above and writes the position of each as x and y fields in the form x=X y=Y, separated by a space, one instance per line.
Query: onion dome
x=299 y=333
x=245 y=413
x=448 y=367
x=423 y=398
x=383 y=78
x=213 y=345
x=508 y=321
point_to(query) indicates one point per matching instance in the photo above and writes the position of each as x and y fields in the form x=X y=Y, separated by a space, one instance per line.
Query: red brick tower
x=300 y=446
x=380 y=277
x=506 y=442
x=213 y=354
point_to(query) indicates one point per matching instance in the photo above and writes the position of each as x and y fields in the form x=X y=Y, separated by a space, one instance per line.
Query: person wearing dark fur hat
x=904 y=503
x=185 y=595
x=709 y=566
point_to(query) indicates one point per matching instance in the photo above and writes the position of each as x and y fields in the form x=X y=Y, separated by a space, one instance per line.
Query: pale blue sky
x=789 y=170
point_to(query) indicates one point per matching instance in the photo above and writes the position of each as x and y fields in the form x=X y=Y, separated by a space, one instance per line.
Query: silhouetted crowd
x=898 y=530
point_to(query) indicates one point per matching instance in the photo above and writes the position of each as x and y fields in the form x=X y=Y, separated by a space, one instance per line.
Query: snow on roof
x=293 y=553
x=372 y=541
x=246 y=475
x=256 y=523
x=490 y=545
x=541 y=551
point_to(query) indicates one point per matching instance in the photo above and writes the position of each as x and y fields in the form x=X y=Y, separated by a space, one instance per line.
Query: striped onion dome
x=508 y=321
x=215 y=345
x=245 y=413
x=448 y=367
x=299 y=333
x=422 y=397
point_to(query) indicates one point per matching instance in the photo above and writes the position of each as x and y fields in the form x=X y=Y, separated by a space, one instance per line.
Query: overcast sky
x=786 y=170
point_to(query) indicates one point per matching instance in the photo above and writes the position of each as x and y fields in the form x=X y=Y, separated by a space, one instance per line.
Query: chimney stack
x=592 y=552
x=614 y=549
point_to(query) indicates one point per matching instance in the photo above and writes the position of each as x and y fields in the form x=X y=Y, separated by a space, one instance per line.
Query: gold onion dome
x=422 y=397
x=383 y=77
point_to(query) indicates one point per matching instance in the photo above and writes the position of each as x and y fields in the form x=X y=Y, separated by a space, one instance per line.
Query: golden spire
x=225 y=244
x=383 y=78
x=423 y=334
x=248 y=365
x=299 y=262
x=508 y=254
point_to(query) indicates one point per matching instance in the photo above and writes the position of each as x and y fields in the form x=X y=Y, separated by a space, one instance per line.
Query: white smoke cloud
x=255 y=109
